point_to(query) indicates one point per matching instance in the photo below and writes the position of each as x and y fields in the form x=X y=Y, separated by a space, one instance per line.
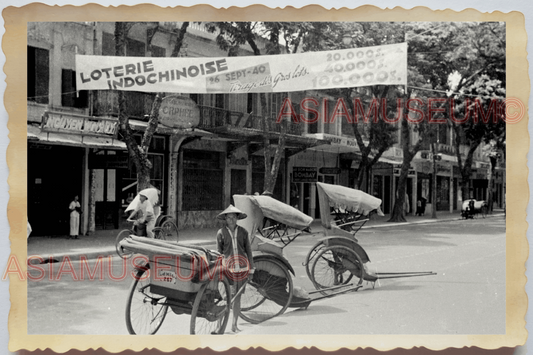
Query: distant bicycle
x=165 y=229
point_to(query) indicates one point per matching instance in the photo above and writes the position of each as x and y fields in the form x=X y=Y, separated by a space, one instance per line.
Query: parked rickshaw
x=471 y=208
x=272 y=225
x=338 y=258
x=191 y=280
x=187 y=279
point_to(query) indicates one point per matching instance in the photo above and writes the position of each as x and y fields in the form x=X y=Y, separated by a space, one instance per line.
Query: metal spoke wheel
x=268 y=293
x=169 y=231
x=210 y=312
x=145 y=311
x=311 y=255
x=336 y=265
x=123 y=253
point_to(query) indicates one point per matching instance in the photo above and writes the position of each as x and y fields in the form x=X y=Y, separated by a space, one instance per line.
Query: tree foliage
x=467 y=61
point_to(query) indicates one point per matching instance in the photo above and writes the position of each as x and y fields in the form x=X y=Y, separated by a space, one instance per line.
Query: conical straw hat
x=232 y=209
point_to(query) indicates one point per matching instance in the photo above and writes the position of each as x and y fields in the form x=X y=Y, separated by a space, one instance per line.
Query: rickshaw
x=187 y=279
x=471 y=208
x=165 y=228
x=338 y=258
x=272 y=225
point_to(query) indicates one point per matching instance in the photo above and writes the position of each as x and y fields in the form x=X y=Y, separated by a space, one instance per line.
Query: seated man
x=147 y=217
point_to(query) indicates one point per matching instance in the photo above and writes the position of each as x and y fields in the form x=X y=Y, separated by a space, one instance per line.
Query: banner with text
x=379 y=65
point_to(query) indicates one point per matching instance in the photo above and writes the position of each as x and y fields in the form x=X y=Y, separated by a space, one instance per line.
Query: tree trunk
x=271 y=164
x=491 y=179
x=398 y=211
x=362 y=173
x=466 y=171
x=139 y=153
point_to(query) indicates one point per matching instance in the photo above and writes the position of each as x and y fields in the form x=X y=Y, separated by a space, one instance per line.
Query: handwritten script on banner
x=383 y=65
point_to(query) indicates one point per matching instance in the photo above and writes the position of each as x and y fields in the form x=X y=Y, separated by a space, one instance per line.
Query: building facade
x=197 y=170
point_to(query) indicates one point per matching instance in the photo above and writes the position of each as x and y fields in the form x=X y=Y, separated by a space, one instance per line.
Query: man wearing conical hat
x=233 y=242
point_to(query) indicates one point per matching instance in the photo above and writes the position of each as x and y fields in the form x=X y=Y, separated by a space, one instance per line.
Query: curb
x=95 y=254
x=87 y=255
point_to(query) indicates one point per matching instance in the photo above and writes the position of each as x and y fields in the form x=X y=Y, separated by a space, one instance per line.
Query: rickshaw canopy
x=258 y=207
x=344 y=198
x=281 y=212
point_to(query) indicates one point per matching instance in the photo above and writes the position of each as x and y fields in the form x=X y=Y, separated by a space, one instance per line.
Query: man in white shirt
x=147 y=215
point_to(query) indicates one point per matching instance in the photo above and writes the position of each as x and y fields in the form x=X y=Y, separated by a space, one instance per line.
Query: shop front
x=59 y=150
x=382 y=185
x=305 y=169
x=55 y=176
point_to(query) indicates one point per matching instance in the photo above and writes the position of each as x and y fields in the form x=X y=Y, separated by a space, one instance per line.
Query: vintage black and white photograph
x=335 y=181
x=266 y=177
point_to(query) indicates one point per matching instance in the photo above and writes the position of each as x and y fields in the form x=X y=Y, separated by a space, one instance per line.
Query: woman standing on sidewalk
x=75 y=211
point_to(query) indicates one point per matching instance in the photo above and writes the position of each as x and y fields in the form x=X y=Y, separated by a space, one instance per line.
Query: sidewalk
x=102 y=242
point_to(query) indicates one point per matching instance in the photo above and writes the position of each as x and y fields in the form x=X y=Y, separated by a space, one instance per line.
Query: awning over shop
x=390 y=160
x=162 y=129
x=333 y=143
x=36 y=135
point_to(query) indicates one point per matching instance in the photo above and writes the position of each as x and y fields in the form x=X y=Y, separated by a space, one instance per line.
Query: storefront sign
x=398 y=171
x=179 y=112
x=304 y=174
x=81 y=125
x=335 y=140
x=329 y=171
x=365 y=66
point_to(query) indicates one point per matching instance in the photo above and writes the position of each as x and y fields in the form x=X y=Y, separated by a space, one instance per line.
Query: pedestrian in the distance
x=233 y=243
x=75 y=212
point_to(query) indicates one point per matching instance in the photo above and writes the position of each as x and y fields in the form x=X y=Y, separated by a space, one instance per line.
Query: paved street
x=467 y=296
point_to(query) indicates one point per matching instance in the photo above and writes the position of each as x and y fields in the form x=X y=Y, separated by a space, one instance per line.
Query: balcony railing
x=138 y=104
x=213 y=117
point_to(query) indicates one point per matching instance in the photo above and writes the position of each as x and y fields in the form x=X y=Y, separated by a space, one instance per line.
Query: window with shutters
x=38 y=75
x=69 y=96
x=203 y=180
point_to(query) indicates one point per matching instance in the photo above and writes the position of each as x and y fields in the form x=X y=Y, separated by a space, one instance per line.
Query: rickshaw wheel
x=210 y=312
x=169 y=231
x=311 y=255
x=336 y=265
x=268 y=293
x=123 y=253
x=145 y=311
